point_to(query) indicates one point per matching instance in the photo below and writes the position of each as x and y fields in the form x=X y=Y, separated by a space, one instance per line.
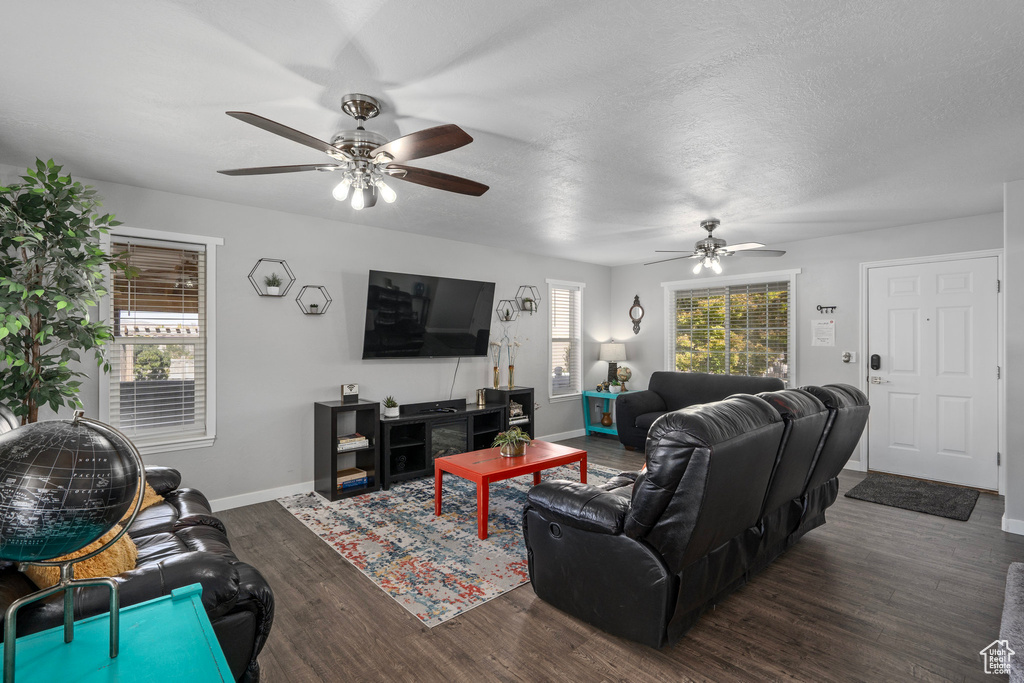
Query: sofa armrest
x=628 y=407
x=582 y=506
x=163 y=479
x=213 y=572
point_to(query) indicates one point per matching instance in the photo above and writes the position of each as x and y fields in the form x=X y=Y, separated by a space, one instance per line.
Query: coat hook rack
x=826 y=309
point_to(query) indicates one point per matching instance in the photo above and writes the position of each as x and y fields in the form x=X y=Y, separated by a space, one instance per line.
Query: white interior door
x=934 y=395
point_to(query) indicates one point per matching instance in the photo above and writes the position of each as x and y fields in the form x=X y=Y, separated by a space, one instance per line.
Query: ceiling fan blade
x=425 y=143
x=760 y=252
x=743 y=246
x=673 y=251
x=263 y=170
x=289 y=133
x=440 y=181
x=677 y=258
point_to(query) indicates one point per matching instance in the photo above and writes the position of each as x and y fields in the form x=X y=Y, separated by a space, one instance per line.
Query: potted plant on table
x=614 y=386
x=390 y=407
x=273 y=283
x=512 y=443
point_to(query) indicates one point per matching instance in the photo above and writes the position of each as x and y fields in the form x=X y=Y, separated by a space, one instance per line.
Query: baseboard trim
x=263 y=496
x=1013 y=526
x=563 y=435
x=855 y=466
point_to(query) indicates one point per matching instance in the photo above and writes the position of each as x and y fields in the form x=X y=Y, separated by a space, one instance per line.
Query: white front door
x=933 y=396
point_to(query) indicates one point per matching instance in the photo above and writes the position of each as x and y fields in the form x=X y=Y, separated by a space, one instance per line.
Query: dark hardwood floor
x=876 y=594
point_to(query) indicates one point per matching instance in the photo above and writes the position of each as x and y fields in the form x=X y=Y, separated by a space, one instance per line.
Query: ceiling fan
x=710 y=250
x=365 y=158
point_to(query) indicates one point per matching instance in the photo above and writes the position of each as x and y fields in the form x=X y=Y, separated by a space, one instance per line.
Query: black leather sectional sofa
x=727 y=487
x=180 y=542
x=666 y=392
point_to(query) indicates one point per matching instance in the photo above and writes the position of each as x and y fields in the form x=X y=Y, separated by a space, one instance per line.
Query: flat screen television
x=424 y=316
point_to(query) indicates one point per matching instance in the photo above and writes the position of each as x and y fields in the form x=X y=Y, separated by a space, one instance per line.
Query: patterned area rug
x=435 y=567
x=942 y=500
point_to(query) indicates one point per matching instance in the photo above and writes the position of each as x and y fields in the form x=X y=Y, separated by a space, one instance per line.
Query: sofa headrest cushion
x=792 y=404
x=836 y=396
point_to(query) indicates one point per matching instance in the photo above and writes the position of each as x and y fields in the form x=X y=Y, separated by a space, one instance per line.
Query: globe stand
x=67 y=582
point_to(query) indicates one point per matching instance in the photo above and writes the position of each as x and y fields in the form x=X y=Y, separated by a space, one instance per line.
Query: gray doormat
x=951 y=502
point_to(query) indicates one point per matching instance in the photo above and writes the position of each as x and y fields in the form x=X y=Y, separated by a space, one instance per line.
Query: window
x=566 y=341
x=159 y=388
x=735 y=326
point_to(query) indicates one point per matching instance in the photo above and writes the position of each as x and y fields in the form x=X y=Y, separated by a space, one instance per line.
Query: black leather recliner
x=180 y=542
x=666 y=392
x=727 y=487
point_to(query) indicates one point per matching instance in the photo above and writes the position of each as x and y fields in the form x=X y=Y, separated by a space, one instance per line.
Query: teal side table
x=607 y=397
x=167 y=639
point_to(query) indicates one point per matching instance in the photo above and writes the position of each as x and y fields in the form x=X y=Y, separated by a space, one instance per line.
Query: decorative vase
x=273 y=291
x=511 y=376
x=606 y=419
x=497 y=377
x=513 y=450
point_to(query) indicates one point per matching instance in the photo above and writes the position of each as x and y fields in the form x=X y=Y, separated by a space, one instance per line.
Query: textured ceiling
x=606 y=130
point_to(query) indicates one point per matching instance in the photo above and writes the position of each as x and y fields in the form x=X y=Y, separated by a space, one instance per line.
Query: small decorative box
x=349 y=393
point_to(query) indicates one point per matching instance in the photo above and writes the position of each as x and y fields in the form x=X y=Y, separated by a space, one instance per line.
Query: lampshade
x=613 y=352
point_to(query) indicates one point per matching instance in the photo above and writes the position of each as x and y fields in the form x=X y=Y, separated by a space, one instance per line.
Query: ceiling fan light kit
x=365 y=158
x=711 y=249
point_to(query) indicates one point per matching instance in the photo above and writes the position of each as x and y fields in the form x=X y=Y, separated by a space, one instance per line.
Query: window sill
x=174 y=445
x=562 y=398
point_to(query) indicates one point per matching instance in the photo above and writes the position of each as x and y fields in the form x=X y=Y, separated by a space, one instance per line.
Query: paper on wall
x=824 y=332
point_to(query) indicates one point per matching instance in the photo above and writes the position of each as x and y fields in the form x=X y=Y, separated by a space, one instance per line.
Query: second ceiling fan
x=365 y=158
x=710 y=250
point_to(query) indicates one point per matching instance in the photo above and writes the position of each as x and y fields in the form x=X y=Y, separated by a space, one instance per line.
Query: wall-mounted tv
x=425 y=316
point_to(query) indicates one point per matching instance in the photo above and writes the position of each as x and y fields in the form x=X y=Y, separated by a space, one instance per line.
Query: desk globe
x=63 y=484
x=624 y=374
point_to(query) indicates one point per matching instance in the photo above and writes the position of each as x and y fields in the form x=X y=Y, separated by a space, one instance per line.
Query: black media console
x=424 y=431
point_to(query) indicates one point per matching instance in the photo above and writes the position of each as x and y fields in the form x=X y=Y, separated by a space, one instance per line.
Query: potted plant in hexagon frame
x=273 y=284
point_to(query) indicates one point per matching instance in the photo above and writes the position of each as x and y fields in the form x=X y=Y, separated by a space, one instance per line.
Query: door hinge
x=999 y=286
x=999 y=372
x=999 y=458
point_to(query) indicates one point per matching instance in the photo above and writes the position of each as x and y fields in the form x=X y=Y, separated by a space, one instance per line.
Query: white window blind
x=158 y=375
x=566 y=342
x=733 y=330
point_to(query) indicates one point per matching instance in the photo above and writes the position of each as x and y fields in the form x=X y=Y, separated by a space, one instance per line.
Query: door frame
x=1000 y=341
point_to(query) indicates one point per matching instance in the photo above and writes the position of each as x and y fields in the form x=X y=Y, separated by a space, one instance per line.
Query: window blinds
x=158 y=358
x=565 y=340
x=734 y=330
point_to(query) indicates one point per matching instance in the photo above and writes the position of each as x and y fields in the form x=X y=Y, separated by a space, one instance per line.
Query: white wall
x=830 y=272
x=1013 y=235
x=273 y=362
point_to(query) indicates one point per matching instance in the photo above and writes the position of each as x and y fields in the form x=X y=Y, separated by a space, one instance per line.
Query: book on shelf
x=519 y=420
x=355 y=436
x=351 y=478
x=353 y=445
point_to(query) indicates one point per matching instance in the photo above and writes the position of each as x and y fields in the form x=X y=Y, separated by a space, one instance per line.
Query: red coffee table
x=488 y=465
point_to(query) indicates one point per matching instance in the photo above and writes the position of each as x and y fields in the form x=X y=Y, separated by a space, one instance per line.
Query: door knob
x=878 y=380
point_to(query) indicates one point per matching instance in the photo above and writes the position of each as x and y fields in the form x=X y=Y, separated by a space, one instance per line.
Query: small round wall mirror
x=636 y=314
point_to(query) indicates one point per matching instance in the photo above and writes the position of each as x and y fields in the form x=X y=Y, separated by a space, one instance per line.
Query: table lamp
x=614 y=353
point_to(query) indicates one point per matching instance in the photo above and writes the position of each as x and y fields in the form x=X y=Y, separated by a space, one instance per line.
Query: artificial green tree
x=51 y=271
